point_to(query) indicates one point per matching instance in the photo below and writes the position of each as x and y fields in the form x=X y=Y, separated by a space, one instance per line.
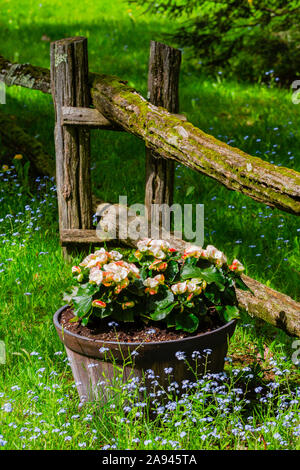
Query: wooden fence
x=84 y=101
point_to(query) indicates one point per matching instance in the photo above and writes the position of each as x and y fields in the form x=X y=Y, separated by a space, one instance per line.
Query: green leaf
x=213 y=294
x=144 y=273
x=171 y=319
x=161 y=300
x=190 y=261
x=82 y=305
x=158 y=314
x=67 y=297
x=74 y=320
x=102 y=312
x=240 y=284
x=124 y=315
x=85 y=321
x=229 y=296
x=187 y=322
x=210 y=275
x=231 y=312
x=82 y=301
x=228 y=313
x=190 y=190
x=171 y=271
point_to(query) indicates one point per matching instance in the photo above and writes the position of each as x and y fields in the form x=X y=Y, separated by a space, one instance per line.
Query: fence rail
x=168 y=135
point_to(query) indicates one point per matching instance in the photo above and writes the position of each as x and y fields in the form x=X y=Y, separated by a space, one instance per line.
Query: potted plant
x=159 y=307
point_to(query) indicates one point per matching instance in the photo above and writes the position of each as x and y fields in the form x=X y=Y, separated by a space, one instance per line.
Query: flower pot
x=94 y=362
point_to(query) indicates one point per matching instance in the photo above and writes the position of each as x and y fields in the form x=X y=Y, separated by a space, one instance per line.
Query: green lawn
x=39 y=408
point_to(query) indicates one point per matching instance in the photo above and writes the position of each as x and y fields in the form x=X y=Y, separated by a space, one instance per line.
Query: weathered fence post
x=163 y=81
x=69 y=86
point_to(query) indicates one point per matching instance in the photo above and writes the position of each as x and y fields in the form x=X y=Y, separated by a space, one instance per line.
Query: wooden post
x=69 y=86
x=163 y=80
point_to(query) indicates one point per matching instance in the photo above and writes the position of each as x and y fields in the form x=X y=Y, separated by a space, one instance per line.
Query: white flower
x=100 y=252
x=155 y=248
x=212 y=253
x=98 y=258
x=220 y=258
x=133 y=269
x=158 y=248
x=76 y=270
x=86 y=260
x=115 y=255
x=119 y=272
x=96 y=276
x=143 y=245
x=153 y=282
x=150 y=282
x=193 y=251
x=179 y=288
x=193 y=285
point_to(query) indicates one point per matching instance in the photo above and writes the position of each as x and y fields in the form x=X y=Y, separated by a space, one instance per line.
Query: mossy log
x=172 y=138
x=269 y=305
x=263 y=302
x=14 y=138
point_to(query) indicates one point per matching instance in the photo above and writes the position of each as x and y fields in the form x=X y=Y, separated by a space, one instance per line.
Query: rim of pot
x=134 y=344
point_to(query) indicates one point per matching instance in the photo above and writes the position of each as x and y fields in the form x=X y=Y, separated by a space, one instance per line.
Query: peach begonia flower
x=237 y=266
x=96 y=276
x=193 y=250
x=213 y=254
x=152 y=283
x=156 y=248
x=98 y=303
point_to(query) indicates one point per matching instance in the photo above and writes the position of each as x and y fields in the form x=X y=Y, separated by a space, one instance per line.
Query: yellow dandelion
x=18 y=156
x=5 y=167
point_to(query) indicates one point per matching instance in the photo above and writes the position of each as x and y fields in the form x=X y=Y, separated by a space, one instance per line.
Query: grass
x=39 y=404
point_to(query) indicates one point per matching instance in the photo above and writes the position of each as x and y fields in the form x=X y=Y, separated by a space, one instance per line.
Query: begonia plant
x=156 y=283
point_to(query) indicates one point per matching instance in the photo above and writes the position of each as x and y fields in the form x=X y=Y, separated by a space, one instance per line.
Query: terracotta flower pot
x=93 y=361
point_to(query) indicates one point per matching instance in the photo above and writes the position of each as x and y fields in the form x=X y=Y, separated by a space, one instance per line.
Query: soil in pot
x=137 y=332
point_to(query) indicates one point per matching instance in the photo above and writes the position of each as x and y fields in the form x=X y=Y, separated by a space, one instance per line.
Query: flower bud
x=126 y=305
x=236 y=266
x=158 y=265
x=138 y=254
x=76 y=270
x=98 y=304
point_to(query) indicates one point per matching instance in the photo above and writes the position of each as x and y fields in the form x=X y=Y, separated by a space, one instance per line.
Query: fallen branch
x=14 y=138
x=25 y=75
